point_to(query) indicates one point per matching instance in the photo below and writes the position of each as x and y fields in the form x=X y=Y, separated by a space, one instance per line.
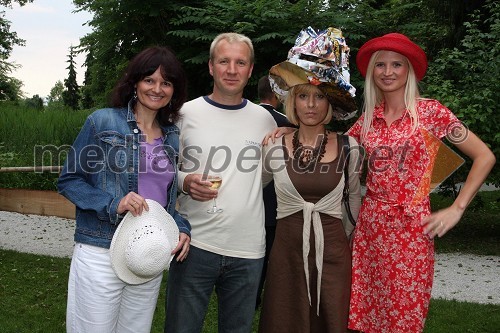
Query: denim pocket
x=114 y=145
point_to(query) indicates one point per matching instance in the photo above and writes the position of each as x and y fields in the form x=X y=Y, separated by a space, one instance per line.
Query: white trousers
x=99 y=302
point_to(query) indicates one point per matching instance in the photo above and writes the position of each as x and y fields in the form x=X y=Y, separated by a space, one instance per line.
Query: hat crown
x=328 y=44
x=395 y=42
x=397 y=35
x=141 y=246
x=320 y=58
x=148 y=251
x=324 y=53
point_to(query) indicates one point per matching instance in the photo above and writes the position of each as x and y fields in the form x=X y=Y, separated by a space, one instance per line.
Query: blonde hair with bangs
x=374 y=96
x=290 y=102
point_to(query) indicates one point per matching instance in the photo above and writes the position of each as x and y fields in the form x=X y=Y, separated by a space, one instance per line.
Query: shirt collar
x=378 y=112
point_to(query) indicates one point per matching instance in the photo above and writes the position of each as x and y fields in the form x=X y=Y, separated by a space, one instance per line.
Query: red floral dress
x=393 y=261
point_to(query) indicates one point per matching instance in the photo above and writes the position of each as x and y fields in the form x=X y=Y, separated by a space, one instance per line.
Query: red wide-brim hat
x=393 y=42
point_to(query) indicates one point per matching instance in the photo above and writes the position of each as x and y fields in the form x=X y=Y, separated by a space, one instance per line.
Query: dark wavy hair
x=146 y=63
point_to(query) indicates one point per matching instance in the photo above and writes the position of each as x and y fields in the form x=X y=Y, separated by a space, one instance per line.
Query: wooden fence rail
x=49 y=203
x=48 y=168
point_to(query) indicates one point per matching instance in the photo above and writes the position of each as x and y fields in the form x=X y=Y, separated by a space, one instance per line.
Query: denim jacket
x=102 y=167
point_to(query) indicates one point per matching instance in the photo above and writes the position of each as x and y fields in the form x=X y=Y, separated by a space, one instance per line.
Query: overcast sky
x=49 y=27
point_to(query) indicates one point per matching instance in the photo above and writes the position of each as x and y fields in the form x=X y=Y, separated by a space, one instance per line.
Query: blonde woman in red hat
x=308 y=280
x=393 y=251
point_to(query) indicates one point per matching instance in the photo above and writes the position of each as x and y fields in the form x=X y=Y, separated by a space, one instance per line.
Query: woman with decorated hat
x=393 y=250
x=307 y=286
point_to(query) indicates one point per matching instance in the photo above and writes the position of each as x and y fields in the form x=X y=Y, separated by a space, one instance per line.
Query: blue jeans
x=190 y=285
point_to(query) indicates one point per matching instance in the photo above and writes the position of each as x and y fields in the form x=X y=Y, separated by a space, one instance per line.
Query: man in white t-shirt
x=221 y=134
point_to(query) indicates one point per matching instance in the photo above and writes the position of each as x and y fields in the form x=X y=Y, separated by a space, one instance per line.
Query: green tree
x=87 y=100
x=71 y=95
x=433 y=24
x=454 y=43
x=10 y=88
x=8 y=3
x=466 y=78
x=272 y=26
x=35 y=102
x=121 y=29
x=55 y=98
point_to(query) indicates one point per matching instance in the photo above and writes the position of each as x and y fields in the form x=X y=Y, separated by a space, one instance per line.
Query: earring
x=135 y=94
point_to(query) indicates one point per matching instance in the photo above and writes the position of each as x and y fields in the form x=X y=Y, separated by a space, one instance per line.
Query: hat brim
x=287 y=75
x=156 y=216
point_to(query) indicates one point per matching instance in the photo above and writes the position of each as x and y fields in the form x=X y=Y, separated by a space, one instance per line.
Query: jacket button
x=136 y=130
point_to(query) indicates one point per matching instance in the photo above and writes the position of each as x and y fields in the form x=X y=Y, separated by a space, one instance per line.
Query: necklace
x=307 y=157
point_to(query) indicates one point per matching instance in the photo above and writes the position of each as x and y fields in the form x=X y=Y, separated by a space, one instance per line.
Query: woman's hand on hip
x=440 y=222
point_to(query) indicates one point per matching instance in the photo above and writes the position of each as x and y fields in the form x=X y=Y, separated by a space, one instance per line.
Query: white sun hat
x=141 y=245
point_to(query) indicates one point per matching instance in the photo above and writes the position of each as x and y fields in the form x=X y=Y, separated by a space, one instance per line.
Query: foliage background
x=461 y=39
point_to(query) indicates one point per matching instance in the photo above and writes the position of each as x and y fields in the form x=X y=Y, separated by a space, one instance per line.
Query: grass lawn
x=33 y=288
x=33 y=294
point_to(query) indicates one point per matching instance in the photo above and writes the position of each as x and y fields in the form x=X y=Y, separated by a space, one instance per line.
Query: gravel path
x=463 y=277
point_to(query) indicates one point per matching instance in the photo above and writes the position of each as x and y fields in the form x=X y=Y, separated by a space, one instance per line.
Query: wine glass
x=216 y=181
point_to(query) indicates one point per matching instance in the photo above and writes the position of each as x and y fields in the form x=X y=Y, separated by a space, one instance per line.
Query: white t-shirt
x=224 y=139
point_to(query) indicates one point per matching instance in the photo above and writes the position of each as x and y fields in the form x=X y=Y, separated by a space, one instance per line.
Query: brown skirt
x=286 y=306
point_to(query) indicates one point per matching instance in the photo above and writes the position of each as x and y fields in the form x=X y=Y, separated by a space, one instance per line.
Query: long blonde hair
x=374 y=96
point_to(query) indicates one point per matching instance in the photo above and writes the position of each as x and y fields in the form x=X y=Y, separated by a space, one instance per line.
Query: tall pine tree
x=71 y=95
x=87 y=101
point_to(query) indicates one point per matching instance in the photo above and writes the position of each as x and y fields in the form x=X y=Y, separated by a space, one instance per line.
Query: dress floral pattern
x=393 y=261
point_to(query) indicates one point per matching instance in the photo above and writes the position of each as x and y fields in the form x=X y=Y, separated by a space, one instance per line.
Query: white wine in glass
x=216 y=181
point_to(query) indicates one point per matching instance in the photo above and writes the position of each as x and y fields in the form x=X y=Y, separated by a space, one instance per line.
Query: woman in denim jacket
x=122 y=156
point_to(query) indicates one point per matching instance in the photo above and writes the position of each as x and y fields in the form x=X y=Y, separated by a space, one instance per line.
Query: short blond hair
x=232 y=37
x=290 y=102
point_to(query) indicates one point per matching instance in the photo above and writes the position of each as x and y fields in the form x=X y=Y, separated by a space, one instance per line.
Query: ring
x=135 y=203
